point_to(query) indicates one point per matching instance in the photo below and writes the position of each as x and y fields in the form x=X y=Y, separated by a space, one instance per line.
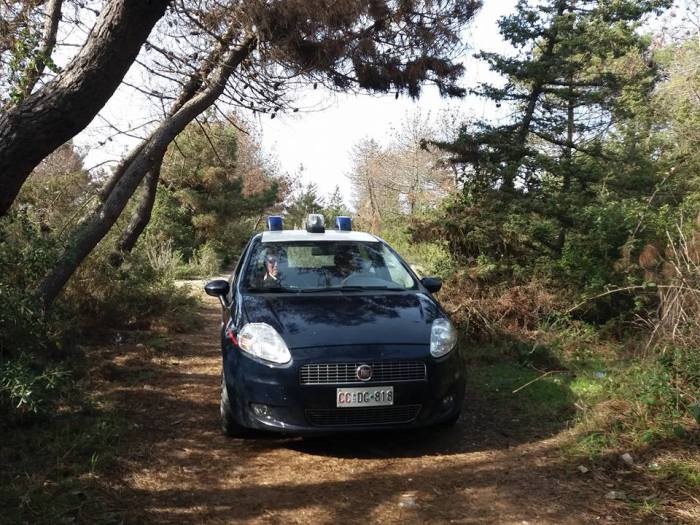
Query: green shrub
x=426 y=257
x=134 y=295
x=22 y=327
x=165 y=262
x=26 y=387
x=205 y=263
x=25 y=255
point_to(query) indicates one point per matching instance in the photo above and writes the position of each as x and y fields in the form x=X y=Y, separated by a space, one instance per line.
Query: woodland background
x=566 y=228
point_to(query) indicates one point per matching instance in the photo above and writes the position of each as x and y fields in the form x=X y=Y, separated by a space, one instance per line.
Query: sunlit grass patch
x=682 y=472
x=588 y=386
x=592 y=445
x=529 y=395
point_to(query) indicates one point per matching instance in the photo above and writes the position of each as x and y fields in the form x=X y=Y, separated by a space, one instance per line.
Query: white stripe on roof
x=330 y=235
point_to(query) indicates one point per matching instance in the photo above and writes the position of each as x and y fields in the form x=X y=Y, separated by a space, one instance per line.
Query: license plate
x=365 y=397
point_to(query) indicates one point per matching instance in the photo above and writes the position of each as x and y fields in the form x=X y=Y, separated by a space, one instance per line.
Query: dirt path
x=175 y=466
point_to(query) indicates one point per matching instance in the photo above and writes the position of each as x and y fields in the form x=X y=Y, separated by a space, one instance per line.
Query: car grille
x=337 y=417
x=344 y=373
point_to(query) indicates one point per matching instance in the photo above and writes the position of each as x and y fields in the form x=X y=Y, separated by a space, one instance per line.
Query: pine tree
x=335 y=207
x=579 y=67
x=306 y=202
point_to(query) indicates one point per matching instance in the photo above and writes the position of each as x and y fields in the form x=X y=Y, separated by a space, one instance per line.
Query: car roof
x=329 y=235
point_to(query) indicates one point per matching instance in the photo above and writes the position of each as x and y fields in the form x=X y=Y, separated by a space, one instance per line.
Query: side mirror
x=217 y=288
x=432 y=284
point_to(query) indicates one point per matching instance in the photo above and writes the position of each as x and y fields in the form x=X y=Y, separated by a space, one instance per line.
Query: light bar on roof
x=314 y=223
x=275 y=223
x=343 y=223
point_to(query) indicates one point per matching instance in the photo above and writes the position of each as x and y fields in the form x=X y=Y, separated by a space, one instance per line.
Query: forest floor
x=170 y=463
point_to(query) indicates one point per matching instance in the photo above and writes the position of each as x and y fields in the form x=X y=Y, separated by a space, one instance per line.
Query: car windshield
x=319 y=266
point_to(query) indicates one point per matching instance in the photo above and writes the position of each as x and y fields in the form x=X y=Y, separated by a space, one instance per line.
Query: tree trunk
x=94 y=228
x=189 y=90
x=374 y=224
x=518 y=150
x=61 y=109
x=142 y=216
x=568 y=157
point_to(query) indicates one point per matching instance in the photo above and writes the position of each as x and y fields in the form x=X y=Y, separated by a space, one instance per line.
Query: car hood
x=307 y=320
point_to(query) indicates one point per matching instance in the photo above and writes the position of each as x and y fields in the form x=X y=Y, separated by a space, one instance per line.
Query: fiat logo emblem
x=364 y=372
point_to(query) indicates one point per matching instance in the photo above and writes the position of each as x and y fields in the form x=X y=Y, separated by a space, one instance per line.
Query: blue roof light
x=274 y=223
x=343 y=224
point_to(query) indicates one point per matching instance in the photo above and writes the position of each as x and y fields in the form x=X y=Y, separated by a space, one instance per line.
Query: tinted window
x=324 y=265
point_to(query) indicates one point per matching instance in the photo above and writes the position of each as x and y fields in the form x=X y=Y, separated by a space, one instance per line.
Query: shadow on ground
x=175 y=466
x=501 y=463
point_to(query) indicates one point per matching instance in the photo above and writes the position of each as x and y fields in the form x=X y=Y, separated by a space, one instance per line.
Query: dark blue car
x=330 y=330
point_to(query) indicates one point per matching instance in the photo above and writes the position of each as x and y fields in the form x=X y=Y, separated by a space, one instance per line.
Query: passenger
x=346 y=262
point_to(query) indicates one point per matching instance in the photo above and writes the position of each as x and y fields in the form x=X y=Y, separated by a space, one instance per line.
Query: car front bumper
x=275 y=398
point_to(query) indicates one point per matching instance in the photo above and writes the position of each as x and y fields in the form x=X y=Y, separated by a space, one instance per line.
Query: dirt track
x=175 y=466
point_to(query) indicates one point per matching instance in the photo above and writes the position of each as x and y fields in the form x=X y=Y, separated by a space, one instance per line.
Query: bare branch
x=53 y=17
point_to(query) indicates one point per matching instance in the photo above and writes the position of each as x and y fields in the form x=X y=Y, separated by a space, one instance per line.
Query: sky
x=319 y=139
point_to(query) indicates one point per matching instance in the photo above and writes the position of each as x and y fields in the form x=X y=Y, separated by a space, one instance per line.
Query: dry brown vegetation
x=484 y=310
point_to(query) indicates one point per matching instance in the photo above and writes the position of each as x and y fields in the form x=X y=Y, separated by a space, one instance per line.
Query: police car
x=330 y=330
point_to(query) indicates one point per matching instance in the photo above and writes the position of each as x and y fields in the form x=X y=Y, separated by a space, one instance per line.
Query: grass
x=647 y=508
x=681 y=472
x=612 y=400
x=51 y=475
x=549 y=396
x=52 y=463
x=519 y=388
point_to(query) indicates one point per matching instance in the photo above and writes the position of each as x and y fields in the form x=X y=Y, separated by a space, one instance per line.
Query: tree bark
x=189 y=90
x=61 y=109
x=533 y=97
x=94 y=228
x=568 y=157
x=142 y=216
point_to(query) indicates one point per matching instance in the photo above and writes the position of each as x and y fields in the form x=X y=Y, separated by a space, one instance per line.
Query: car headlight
x=443 y=337
x=263 y=341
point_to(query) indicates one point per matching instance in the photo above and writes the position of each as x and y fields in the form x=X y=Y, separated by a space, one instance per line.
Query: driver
x=271 y=278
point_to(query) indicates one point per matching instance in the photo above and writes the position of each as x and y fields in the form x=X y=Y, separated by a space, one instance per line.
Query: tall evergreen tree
x=579 y=67
x=335 y=207
x=307 y=201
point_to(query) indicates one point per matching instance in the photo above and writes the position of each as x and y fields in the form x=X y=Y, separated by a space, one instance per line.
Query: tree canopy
x=564 y=176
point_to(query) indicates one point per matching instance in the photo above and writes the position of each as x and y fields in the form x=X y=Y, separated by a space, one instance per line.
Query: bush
x=427 y=257
x=487 y=311
x=166 y=262
x=26 y=387
x=25 y=255
x=134 y=295
x=22 y=327
x=204 y=263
